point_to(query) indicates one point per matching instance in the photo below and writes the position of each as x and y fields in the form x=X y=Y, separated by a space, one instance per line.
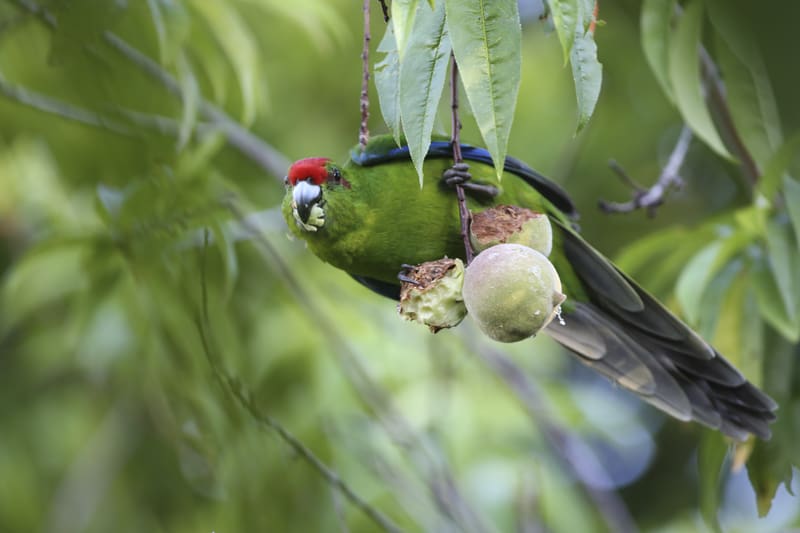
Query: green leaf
x=239 y=45
x=387 y=82
x=486 y=39
x=714 y=312
x=694 y=279
x=710 y=458
x=684 y=77
x=770 y=302
x=422 y=74
x=656 y=20
x=791 y=191
x=587 y=72
x=565 y=20
x=403 y=14
x=747 y=82
x=778 y=165
x=781 y=254
x=190 y=100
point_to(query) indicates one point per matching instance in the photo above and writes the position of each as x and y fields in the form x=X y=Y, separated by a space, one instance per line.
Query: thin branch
x=245 y=398
x=653 y=197
x=363 y=132
x=385 y=10
x=62 y=109
x=455 y=141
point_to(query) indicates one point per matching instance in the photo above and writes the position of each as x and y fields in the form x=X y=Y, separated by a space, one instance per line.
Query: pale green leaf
x=778 y=165
x=684 y=76
x=694 y=279
x=656 y=21
x=422 y=74
x=780 y=252
x=565 y=20
x=403 y=14
x=587 y=72
x=234 y=37
x=486 y=39
x=791 y=191
x=711 y=310
x=387 y=82
x=190 y=101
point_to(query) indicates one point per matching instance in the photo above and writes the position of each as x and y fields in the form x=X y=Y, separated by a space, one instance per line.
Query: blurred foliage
x=169 y=361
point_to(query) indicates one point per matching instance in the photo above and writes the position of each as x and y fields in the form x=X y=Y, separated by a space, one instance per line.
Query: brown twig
x=455 y=142
x=653 y=197
x=363 y=132
x=385 y=10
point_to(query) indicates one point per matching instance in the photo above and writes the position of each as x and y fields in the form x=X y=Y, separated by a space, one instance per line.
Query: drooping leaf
x=710 y=458
x=694 y=279
x=422 y=73
x=486 y=39
x=684 y=76
x=387 y=82
x=587 y=73
x=747 y=83
x=235 y=38
x=781 y=261
x=791 y=190
x=404 y=13
x=565 y=20
x=656 y=24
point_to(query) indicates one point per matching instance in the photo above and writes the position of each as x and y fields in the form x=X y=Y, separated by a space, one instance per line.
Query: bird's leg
x=459 y=174
x=403 y=275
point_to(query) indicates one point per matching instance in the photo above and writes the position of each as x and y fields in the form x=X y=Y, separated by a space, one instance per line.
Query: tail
x=627 y=335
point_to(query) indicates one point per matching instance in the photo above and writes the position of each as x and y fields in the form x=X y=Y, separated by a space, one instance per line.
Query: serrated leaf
x=565 y=21
x=403 y=14
x=422 y=74
x=694 y=279
x=684 y=77
x=656 y=21
x=387 y=82
x=190 y=101
x=587 y=73
x=486 y=39
x=239 y=45
x=778 y=165
x=710 y=458
x=747 y=82
x=791 y=190
x=781 y=262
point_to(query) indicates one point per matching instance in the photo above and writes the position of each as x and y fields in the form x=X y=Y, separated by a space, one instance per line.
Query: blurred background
x=165 y=366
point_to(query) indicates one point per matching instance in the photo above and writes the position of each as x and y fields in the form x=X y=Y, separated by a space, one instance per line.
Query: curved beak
x=305 y=198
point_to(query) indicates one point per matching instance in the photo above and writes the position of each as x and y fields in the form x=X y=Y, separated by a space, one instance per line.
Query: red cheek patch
x=312 y=167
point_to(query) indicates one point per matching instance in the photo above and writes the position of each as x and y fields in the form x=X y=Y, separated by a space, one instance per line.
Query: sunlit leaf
x=684 y=76
x=587 y=73
x=387 y=82
x=565 y=20
x=486 y=39
x=422 y=74
x=656 y=21
x=404 y=13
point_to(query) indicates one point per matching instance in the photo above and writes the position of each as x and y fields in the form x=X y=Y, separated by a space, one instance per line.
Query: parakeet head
x=309 y=179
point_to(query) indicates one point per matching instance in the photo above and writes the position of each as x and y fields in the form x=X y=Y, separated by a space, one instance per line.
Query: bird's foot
x=459 y=174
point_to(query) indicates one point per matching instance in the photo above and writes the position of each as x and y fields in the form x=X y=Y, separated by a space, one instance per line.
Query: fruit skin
x=433 y=294
x=512 y=292
x=511 y=224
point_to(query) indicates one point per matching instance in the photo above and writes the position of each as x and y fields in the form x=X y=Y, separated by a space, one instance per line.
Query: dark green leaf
x=423 y=69
x=778 y=165
x=710 y=458
x=656 y=21
x=684 y=76
x=781 y=255
x=791 y=190
x=770 y=302
x=486 y=39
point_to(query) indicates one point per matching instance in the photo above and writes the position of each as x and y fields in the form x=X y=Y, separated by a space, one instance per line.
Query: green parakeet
x=369 y=217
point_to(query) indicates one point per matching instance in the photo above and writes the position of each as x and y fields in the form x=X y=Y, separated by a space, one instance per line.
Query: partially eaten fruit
x=513 y=225
x=431 y=294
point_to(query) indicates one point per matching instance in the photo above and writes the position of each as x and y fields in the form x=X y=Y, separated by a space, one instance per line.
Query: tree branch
x=455 y=141
x=363 y=132
x=653 y=197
